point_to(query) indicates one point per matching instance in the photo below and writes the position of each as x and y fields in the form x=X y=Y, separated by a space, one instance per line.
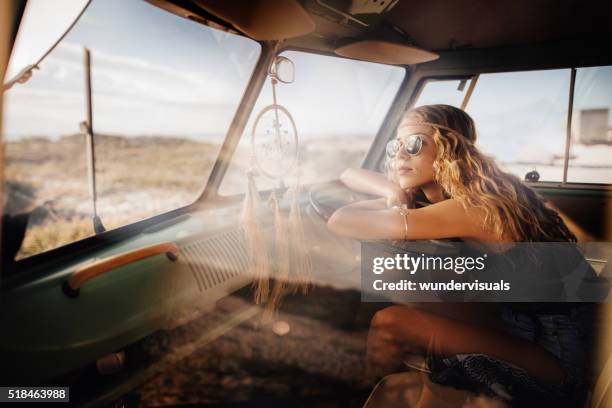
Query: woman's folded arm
x=372 y=220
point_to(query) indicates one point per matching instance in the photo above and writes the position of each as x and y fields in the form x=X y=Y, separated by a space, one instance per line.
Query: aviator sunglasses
x=412 y=145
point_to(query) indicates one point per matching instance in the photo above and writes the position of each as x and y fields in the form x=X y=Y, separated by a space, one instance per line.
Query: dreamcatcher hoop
x=277 y=110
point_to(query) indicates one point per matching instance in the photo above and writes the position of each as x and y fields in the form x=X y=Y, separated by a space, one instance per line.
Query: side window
x=337 y=105
x=521 y=118
x=164 y=91
x=591 y=143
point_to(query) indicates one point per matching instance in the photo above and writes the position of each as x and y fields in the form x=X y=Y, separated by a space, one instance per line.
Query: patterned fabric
x=482 y=374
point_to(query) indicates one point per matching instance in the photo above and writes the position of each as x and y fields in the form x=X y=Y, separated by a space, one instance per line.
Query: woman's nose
x=402 y=155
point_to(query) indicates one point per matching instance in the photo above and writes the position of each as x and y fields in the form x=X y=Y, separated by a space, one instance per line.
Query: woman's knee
x=394 y=319
x=385 y=317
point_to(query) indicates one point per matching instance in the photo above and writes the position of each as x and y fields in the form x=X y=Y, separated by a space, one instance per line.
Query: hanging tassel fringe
x=282 y=260
x=301 y=263
x=257 y=251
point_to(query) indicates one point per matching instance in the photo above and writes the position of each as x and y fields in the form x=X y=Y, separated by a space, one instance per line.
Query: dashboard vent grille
x=217 y=259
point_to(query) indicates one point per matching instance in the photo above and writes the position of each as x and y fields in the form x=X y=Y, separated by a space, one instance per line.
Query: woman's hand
x=397 y=197
x=369 y=182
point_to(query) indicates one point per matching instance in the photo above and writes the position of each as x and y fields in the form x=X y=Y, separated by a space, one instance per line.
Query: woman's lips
x=403 y=170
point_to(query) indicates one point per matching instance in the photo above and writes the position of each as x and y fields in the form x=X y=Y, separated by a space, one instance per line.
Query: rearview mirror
x=283 y=70
x=43 y=24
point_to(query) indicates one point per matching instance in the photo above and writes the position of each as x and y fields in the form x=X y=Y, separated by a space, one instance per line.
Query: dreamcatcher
x=274 y=154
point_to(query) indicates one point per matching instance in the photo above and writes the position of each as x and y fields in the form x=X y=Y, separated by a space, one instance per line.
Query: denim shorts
x=565 y=335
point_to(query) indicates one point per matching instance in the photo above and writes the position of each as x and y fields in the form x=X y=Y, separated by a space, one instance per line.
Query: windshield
x=163 y=92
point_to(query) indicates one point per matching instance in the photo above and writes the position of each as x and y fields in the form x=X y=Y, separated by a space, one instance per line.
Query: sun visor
x=386 y=52
x=262 y=19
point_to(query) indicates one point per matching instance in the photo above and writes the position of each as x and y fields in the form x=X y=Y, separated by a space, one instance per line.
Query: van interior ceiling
x=436 y=26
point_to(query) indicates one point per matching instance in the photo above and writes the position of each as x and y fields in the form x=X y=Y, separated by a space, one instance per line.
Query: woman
x=434 y=158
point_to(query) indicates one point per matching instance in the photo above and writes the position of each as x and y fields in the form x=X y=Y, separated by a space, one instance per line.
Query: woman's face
x=415 y=170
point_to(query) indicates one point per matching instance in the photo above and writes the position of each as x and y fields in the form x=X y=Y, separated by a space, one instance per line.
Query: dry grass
x=137 y=178
x=52 y=235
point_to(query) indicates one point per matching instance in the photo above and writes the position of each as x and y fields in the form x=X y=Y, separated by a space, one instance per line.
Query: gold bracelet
x=403 y=210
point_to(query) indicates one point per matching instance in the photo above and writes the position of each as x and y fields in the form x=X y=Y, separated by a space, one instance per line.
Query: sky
x=153 y=73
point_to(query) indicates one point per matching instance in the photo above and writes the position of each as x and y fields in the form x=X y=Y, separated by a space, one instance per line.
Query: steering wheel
x=325 y=198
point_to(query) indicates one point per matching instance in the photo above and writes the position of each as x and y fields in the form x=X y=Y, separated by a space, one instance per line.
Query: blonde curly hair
x=511 y=208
